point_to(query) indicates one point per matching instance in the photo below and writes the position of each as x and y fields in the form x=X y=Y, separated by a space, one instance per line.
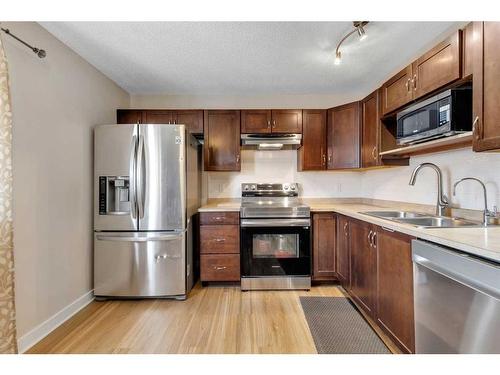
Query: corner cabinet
x=486 y=76
x=312 y=155
x=324 y=246
x=343 y=136
x=222 y=140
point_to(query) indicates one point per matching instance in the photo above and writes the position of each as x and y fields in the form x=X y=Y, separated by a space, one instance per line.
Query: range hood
x=271 y=141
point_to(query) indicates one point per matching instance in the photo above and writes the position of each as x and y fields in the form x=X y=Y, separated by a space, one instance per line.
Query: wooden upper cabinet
x=324 y=246
x=256 y=121
x=129 y=116
x=222 y=140
x=286 y=121
x=468 y=47
x=370 y=125
x=343 y=136
x=312 y=154
x=486 y=78
x=193 y=119
x=363 y=258
x=343 y=263
x=158 y=117
x=395 y=287
x=438 y=67
x=397 y=91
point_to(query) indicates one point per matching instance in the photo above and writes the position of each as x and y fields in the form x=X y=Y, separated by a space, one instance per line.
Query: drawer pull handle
x=219 y=268
x=388 y=229
x=220 y=240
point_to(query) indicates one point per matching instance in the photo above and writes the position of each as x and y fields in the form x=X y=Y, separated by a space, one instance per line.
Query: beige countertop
x=484 y=242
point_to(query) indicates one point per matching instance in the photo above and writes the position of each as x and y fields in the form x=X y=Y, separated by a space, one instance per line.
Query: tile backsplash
x=387 y=184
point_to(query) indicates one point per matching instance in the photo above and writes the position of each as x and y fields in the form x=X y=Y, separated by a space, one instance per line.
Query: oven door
x=275 y=247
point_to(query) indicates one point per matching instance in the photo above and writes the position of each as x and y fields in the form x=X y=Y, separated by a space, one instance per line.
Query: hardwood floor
x=214 y=319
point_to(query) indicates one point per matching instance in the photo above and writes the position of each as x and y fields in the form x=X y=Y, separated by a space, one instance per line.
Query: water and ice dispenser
x=114 y=195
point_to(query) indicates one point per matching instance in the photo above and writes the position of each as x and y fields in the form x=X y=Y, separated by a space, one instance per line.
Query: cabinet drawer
x=220 y=267
x=219 y=239
x=208 y=218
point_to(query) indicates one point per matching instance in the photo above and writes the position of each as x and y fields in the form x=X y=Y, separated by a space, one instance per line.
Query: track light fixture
x=359 y=28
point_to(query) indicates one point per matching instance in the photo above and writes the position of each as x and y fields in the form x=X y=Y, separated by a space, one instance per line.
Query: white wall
x=392 y=183
x=281 y=166
x=56 y=102
x=311 y=101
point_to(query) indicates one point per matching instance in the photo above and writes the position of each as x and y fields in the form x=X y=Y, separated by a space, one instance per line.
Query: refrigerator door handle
x=132 y=173
x=141 y=177
x=158 y=237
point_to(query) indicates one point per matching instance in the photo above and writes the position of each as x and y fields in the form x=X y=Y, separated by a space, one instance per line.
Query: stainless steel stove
x=275 y=238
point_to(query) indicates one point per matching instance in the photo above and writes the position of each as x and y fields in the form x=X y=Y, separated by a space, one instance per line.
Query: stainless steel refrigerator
x=146 y=190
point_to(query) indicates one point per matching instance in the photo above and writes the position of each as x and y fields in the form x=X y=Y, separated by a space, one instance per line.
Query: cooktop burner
x=272 y=200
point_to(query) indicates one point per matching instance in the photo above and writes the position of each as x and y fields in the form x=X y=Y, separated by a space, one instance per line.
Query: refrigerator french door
x=142 y=232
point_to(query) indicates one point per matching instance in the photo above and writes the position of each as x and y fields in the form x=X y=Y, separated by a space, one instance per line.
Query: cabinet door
x=287 y=121
x=342 y=263
x=256 y=121
x=370 y=131
x=468 y=47
x=486 y=78
x=363 y=266
x=158 y=117
x=312 y=154
x=395 y=287
x=222 y=140
x=397 y=91
x=324 y=246
x=192 y=119
x=438 y=67
x=343 y=136
x=129 y=116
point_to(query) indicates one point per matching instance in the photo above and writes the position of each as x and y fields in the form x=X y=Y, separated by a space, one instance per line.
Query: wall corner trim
x=28 y=340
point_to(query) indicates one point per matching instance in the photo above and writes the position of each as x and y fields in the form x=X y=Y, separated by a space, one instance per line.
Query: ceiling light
x=361 y=33
x=338 y=58
x=358 y=27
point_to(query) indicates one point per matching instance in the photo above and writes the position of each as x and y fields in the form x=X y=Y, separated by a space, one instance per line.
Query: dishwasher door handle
x=483 y=276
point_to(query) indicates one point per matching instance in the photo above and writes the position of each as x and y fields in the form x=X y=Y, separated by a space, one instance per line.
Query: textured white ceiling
x=242 y=58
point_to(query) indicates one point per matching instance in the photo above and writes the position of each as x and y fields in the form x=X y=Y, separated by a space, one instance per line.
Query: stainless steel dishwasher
x=457 y=301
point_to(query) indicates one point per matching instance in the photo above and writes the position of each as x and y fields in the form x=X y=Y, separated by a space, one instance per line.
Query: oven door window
x=275 y=245
x=275 y=251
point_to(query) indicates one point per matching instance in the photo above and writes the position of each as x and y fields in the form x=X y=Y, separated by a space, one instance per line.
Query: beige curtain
x=7 y=309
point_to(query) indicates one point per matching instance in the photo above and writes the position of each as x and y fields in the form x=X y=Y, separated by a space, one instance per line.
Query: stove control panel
x=278 y=190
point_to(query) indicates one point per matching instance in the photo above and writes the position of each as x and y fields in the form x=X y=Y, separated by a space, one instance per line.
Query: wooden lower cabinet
x=324 y=246
x=395 y=287
x=363 y=258
x=343 y=254
x=216 y=267
x=381 y=277
x=219 y=246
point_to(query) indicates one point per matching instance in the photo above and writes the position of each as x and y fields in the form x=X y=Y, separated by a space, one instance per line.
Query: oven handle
x=275 y=222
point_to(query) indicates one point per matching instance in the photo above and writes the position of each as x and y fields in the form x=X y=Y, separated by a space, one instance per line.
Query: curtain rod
x=39 y=52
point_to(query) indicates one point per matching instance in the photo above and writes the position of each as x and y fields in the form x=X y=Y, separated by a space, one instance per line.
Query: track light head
x=338 y=58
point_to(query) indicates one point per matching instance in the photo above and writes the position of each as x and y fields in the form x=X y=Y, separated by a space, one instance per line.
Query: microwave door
x=161 y=184
x=115 y=149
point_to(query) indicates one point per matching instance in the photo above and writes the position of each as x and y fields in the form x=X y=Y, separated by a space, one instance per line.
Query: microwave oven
x=445 y=114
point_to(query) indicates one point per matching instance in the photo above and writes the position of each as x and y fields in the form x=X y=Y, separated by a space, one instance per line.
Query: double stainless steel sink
x=422 y=220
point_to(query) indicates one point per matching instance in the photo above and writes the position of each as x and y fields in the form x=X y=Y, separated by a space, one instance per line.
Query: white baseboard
x=39 y=332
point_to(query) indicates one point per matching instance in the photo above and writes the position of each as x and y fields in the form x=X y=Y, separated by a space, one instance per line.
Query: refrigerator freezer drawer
x=135 y=264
